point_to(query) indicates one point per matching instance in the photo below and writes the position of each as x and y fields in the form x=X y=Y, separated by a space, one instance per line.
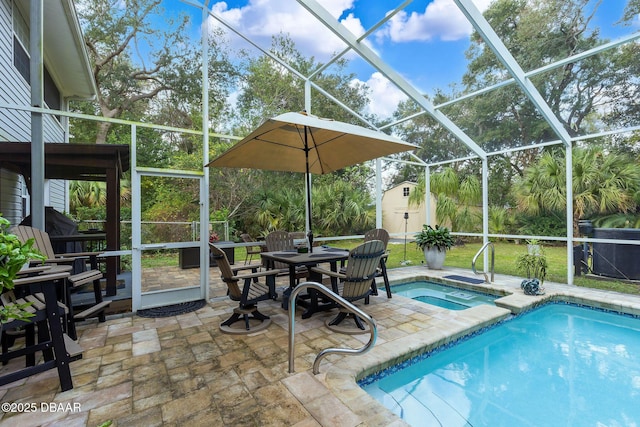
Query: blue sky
x=425 y=43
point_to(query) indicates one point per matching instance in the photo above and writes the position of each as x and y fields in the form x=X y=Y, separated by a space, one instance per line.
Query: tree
x=270 y=89
x=536 y=33
x=89 y=194
x=436 y=143
x=133 y=62
x=603 y=183
x=457 y=198
x=152 y=73
x=275 y=200
x=339 y=208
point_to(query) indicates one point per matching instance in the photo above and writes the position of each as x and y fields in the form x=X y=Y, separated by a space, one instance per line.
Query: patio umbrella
x=299 y=142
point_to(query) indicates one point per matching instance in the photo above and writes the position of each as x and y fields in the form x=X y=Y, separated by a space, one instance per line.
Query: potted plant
x=533 y=246
x=534 y=266
x=14 y=255
x=434 y=242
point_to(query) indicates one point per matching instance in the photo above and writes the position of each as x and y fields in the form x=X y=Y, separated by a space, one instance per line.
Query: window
x=405 y=191
x=21 y=60
x=51 y=92
x=21 y=44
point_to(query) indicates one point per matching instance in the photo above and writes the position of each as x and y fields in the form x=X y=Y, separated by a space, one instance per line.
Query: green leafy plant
x=14 y=254
x=533 y=265
x=438 y=237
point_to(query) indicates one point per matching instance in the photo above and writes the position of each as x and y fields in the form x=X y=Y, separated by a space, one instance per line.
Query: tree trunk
x=103 y=129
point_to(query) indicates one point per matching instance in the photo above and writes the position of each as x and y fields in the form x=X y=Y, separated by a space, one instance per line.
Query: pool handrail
x=373 y=329
x=493 y=256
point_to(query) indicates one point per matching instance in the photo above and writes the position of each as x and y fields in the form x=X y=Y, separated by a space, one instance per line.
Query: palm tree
x=603 y=183
x=280 y=209
x=338 y=209
x=89 y=194
x=341 y=209
x=457 y=198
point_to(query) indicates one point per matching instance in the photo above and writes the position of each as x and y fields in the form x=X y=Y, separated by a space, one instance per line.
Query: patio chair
x=35 y=304
x=77 y=279
x=247 y=296
x=283 y=241
x=251 y=250
x=14 y=328
x=382 y=235
x=355 y=283
x=298 y=235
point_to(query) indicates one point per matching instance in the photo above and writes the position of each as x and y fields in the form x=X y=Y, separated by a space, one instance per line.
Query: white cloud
x=384 y=96
x=441 y=20
x=260 y=19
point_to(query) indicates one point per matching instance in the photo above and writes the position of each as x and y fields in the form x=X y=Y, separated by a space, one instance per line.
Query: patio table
x=295 y=259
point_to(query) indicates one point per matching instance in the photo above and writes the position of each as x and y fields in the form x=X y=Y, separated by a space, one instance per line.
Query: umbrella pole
x=308 y=189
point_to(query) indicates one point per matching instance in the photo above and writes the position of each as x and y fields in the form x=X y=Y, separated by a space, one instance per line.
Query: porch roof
x=83 y=162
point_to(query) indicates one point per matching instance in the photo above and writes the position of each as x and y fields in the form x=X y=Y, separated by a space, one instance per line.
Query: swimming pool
x=558 y=365
x=441 y=295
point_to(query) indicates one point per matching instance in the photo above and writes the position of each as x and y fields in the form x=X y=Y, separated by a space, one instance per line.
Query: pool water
x=559 y=365
x=442 y=295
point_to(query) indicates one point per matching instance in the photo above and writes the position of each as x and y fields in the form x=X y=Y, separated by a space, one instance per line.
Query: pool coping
x=341 y=378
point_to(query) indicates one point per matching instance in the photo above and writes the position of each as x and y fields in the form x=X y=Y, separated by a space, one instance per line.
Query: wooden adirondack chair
x=355 y=283
x=283 y=241
x=382 y=235
x=93 y=275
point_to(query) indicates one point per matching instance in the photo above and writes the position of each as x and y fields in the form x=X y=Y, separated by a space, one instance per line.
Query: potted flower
x=534 y=266
x=14 y=255
x=434 y=242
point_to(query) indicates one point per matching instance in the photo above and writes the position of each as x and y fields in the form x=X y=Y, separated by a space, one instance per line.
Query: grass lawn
x=506 y=254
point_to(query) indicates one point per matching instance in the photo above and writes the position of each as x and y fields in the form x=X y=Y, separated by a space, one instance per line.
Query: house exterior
x=395 y=202
x=67 y=76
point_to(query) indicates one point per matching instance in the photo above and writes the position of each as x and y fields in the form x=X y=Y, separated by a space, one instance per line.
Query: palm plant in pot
x=534 y=266
x=14 y=255
x=434 y=241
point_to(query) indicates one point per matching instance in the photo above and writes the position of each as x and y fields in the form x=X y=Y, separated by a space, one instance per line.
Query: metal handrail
x=373 y=329
x=493 y=256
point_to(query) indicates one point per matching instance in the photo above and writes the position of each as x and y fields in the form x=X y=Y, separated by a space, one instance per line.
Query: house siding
x=11 y=200
x=16 y=125
x=57 y=193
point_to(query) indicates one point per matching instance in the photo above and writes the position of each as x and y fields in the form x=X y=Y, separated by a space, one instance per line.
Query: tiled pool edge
x=342 y=377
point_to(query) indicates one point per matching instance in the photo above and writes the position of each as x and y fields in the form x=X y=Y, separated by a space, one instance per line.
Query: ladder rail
x=492 y=264
x=373 y=329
